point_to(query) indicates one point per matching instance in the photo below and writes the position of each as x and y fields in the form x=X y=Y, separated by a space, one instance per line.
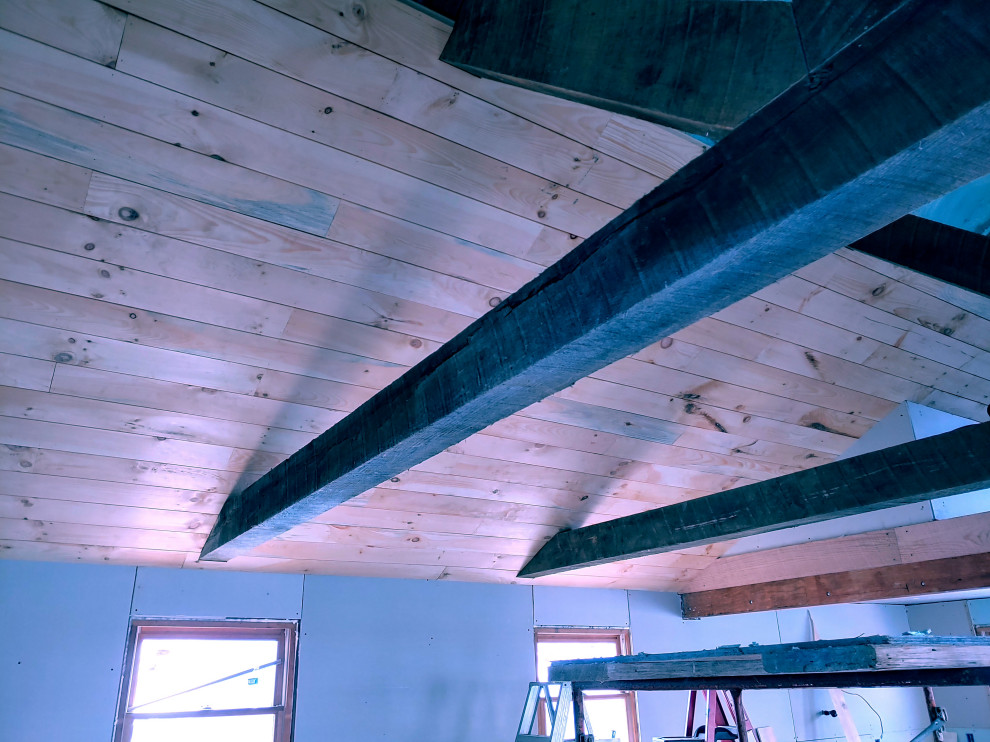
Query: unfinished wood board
x=249 y=337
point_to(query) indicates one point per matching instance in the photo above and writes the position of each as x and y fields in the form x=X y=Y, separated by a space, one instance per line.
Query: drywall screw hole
x=328 y=109
x=495 y=301
x=63 y=358
x=132 y=315
x=89 y=246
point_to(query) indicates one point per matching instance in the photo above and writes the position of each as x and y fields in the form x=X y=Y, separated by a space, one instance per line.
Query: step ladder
x=558 y=712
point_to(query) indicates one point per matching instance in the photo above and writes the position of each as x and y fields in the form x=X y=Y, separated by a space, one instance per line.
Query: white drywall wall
x=390 y=659
x=62 y=631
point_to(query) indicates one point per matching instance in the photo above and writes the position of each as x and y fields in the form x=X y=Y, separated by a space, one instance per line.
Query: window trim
x=285 y=632
x=623 y=645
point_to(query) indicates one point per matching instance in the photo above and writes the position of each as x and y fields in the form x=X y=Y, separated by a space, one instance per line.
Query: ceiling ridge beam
x=832 y=159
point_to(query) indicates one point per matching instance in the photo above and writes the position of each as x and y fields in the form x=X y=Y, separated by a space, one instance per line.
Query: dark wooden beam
x=897 y=581
x=889 y=679
x=824 y=164
x=699 y=65
x=940 y=251
x=942 y=465
x=867 y=661
x=825 y=26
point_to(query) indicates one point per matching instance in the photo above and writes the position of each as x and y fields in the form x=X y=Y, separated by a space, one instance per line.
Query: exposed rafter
x=896 y=581
x=940 y=251
x=824 y=164
x=942 y=465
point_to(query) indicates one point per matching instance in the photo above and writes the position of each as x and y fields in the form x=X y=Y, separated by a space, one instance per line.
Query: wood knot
x=127 y=213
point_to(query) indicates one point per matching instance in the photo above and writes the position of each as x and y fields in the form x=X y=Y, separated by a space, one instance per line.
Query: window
x=202 y=681
x=612 y=714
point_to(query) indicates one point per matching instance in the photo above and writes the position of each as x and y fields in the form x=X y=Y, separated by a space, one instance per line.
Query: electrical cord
x=879 y=718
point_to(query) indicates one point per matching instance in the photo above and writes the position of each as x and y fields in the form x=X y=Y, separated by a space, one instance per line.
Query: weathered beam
x=897 y=581
x=940 y=251
x=825 y=26
x=699 y=65
x=942 y=465
x=888 y=679
x=824 y=164
x=756 y=666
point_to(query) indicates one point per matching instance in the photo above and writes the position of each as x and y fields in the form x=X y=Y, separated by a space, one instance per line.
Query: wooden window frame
x=623 y=645
x=286 y=633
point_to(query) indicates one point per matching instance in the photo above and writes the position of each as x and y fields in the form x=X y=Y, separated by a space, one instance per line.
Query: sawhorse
x=720 y=712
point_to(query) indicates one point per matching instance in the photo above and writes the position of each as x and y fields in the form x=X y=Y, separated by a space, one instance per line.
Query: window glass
x=610 y=714
x=189 y=674
x=259 y=728
x=203 y=681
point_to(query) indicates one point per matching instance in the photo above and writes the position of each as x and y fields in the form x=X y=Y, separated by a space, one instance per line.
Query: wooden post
x=737 y=708
x=580 y=733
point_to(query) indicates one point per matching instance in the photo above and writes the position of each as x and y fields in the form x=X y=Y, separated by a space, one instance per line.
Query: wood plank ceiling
x=227 y=224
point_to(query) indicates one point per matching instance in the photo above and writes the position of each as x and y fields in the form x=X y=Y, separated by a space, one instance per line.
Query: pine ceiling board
x=200 y=127
x=414 y=39
x=38 y=551
x=98 y=469
x=411 y=38
x=693 y=414
x=134 y=325
x=648 y=146
x=56 y=132
x=22 y=483
x=122 y=418
x=82 y=288
x=38 y=341
x=26 y=373
x=93 y=514
x=341 y=568
x=705 y=438
x=86 y=28
x=968 y=300
x=245 y=244
x=703 y=390
x=404 y=552
x=916 y=307
x=582 y=462
x=195 y=69
x=477 y=508
x=267 y=37
x=101 y=535
x=507 y=472
x=855 y=317
x=101 y=442
x=694 y=359
x=521 y=428
x=757 y=344
x=33 y=176
x=521 y=493
x=267 y=414
x=794 y=327
x=366 y=248
x=444 y=523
